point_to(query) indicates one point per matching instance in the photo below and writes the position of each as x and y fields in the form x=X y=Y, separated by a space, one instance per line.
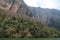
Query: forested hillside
x=13 y=25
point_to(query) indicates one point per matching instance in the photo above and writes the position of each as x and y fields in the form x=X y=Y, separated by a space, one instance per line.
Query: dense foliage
x=55 y=23
x=14 y=25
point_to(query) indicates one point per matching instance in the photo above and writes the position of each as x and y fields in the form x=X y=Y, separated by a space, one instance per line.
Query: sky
x=52 y=4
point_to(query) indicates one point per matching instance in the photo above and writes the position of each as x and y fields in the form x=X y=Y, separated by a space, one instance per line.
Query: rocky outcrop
x=4 y=5
x=17 y=6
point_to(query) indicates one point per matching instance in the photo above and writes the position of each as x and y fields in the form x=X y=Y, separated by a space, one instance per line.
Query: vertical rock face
x=12 y=5
x=4 y=4
x=15 y=5
x=18 y=5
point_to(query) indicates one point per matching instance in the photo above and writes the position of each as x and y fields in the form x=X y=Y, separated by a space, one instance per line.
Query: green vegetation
x=14 y=25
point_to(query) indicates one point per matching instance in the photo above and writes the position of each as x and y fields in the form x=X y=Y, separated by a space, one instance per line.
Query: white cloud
x=44 y=3
x=31 y=2
x=47 y=4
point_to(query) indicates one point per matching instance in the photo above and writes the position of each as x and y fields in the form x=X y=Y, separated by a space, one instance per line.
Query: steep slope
x=50 y=17
x=16 y=6
x=13 y=25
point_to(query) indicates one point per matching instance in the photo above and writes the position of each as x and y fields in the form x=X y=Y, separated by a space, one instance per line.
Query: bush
x=19 y=26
